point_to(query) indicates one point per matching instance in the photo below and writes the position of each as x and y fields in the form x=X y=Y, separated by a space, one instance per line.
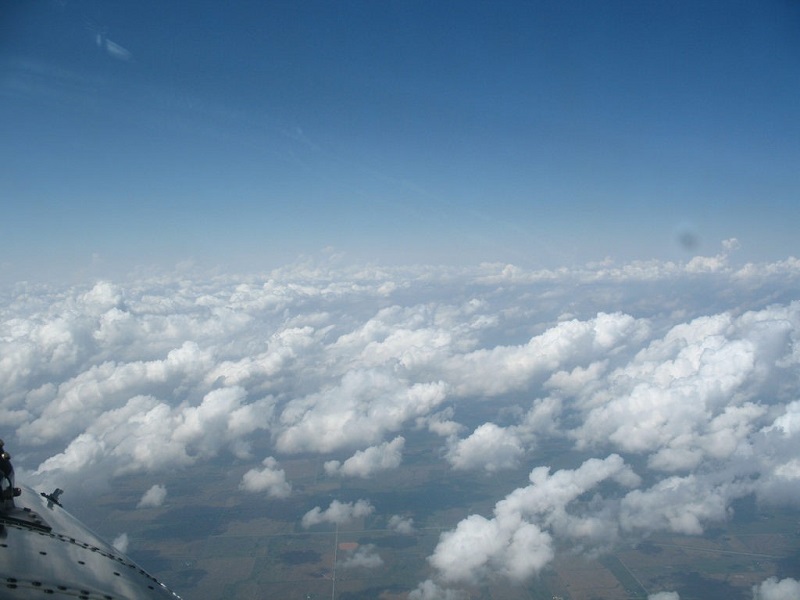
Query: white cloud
x=109 y=384
x=489 y=447
x=664 y=596
x=441 y=423
x=364 y=557
x=518 y=540
x=121 y=542
x=679 y=504
x=359 y=411
x=148 y=435
x=401 y=524
x=689 y=368
x=684 y=397
x=477 y=544
x=153 y=497
x=338 y=513
x=366 y=463
x=103 y=297
x=574 y=382
x=270 y=479
x=501 y=369
x=773 y=457
x=542 y=418
x=111 y=48
x=430 y=590
x=772 y=589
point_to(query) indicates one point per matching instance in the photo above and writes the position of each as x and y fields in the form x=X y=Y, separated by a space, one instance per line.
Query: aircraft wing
x=45 y=551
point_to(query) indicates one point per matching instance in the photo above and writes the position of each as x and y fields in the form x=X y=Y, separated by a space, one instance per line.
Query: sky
x=253 y=231
x=243 y=135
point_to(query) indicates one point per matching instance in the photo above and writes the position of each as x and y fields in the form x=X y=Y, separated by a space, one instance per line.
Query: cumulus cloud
x=441 y=423
x=772 y=589
x=153 y=497
x=687 y=397
x=366 y=463
x=430 y=590
x=270 y=479
x=678 y=504
x=364 y=557
x=518 y=540
x=495 y=371
x=664 y=596
x=401 y=524
x=148 y=435
x=121 y=542
x=477 y=545
x=490 y=447
x=338 y=513
x=365 y=406
x=690 y=369
x=89 y=393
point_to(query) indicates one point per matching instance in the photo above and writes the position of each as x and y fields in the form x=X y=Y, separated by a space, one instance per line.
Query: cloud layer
x=689 y=371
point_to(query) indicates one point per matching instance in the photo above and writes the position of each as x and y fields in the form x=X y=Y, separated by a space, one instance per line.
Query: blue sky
x=538 y=133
